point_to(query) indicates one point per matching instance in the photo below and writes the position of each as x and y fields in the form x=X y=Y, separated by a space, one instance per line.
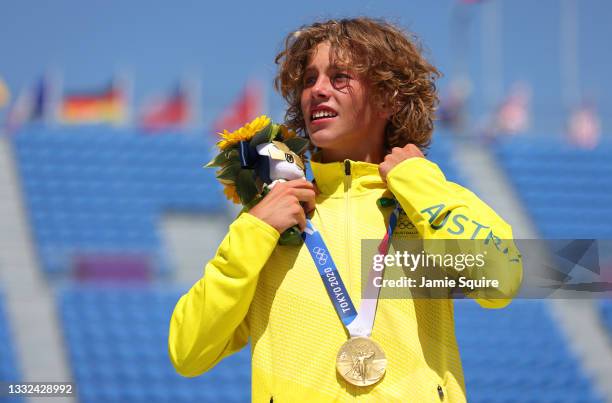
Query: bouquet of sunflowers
x=254 y=158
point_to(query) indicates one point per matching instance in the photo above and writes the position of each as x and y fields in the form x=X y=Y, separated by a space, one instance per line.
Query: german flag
x=107 y=106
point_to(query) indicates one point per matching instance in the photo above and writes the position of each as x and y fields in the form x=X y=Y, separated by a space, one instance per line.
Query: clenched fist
x=396 y=156
x=286 y=205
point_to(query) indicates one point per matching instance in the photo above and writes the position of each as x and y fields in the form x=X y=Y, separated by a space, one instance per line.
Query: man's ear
x=384 y=111
x=384 y=108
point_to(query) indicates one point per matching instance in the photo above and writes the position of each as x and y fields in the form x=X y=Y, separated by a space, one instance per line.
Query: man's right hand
x=281 y=207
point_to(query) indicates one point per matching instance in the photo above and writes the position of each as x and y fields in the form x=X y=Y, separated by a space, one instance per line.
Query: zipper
x=347 y=227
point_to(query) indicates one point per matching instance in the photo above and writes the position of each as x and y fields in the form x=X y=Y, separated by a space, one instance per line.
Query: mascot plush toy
x=256 y=157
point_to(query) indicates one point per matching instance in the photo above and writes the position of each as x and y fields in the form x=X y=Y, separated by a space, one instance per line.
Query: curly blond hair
x=390 y=60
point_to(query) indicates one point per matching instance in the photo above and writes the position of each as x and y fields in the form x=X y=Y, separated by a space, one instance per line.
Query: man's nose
x=322 y=88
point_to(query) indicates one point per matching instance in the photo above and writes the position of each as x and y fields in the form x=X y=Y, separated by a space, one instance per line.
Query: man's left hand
x=396 y=156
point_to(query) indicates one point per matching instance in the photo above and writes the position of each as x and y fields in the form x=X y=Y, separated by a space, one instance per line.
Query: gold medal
x=361 y=361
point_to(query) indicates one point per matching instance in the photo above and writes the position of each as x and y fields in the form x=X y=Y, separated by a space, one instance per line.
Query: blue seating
x=567 y=191
x=95 y=190
x=606 y=315
x=117 y=340
x=91 y=189
x=517 y=354
x=441 y=152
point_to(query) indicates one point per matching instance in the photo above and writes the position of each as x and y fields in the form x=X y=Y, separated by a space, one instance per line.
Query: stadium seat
x=95 y=190
x=117 y=341
x=565 y=190
x=518 y=354
x=606 y=315
x=117 y=336
x=441 y=152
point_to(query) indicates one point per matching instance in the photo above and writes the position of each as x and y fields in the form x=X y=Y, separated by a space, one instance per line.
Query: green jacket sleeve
x=444 y=212
x=208 y=323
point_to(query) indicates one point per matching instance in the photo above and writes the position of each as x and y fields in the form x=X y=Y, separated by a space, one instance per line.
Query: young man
x=365 y=96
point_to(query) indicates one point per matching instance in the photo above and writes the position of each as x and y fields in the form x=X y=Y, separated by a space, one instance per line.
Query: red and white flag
x=512 y=116
x=171 y=112
x=584 y=127
x=243 y=110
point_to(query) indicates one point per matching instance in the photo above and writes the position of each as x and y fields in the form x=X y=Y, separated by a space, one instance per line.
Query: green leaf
x=222 y=158
x=264 y=136
x=298 y=145
x=275 y=132
x=245 y=186
x=230 y=172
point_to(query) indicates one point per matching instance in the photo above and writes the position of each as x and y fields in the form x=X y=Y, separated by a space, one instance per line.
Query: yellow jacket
x=273 y=294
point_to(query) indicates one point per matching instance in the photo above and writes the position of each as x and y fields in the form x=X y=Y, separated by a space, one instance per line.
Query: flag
x=584 y=127
x=19 y=113
x=512 y=115
x=4 y=93
x=245 y=109
x=32 y=104
x=173 y=111
x=106 y=106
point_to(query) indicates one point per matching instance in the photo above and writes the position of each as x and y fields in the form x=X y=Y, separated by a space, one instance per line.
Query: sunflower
x=286 y=132
x=246 y=132
x=231 y=193
x=239 y=184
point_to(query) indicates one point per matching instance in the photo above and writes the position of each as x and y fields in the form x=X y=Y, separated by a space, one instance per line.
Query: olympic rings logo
x=405 y=224
x=320 y=255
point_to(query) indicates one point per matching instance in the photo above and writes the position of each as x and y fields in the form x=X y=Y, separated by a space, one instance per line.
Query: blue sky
x=226 y=43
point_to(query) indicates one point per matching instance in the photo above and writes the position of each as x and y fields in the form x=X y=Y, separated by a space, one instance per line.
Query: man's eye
x=309 y=81
x=341 y=80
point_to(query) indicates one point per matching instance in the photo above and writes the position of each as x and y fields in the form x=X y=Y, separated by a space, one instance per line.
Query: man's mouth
x=322 y=114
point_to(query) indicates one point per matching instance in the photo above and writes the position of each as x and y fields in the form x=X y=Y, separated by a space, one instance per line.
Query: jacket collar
x=336 y=179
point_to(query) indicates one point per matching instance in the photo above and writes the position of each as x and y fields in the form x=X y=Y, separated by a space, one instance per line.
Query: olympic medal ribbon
x=364 y=322
x=329 y=274
x=358 y=324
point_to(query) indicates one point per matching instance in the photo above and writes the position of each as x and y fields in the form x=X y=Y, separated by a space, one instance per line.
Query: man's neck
x=367 y=154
